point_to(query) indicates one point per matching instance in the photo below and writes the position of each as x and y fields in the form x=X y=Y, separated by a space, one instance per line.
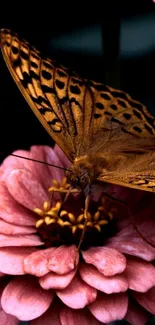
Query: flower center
x=62 y=221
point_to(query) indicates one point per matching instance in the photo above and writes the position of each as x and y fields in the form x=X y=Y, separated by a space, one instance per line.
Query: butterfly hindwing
x=132 y=170
x=140 y=181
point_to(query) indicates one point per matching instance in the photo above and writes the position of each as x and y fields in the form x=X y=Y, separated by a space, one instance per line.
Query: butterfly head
x=80 y=174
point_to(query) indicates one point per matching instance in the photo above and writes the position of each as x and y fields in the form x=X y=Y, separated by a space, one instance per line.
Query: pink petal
x=58 y=158
x=16 y=162
x=64 y=259
x=12 y=211
x=10 y=229
x=52 y=158
x=26 y=240
x=136 y=315
x=132 y=245
x=69 y=316
x=11 y=259
x=2 y=274
x=37 y=262
x=40 y=171
x=94 y=278
x=77 y=295
x=24 y=298
x=107 y=260
x=146 y=225
x=109 y=308
x=55 y=281
x=62 y=157
x=50 y=317
x=7 y=319
x=42 y=153
x=147 y=299
x=140 y=275
x=26 y=189
x=60 y=260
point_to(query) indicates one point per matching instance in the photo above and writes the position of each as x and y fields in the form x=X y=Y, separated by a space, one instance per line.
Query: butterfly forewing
x=84 y=116
x=36 y=78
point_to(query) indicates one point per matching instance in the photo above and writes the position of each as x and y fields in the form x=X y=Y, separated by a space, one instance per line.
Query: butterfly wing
x=55 y=94
x=139 y=180
x=131 y=169
x=145 y=182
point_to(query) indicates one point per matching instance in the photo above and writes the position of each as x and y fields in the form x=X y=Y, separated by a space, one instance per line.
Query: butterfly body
x=85 y=170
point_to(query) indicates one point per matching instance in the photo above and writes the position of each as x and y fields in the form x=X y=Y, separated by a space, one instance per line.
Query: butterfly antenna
x=35 y=160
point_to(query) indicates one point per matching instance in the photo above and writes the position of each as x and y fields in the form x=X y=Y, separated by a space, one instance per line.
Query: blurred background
x=110 y=42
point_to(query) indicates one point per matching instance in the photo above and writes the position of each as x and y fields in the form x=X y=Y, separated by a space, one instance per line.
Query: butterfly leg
x=66 y=193
x=69 y=191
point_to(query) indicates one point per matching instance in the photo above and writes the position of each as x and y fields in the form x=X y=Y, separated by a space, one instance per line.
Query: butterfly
x=108 y=136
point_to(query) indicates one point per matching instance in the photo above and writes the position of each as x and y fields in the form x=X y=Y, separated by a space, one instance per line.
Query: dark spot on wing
x=60 y=84
x=99 y=105
x=46 y=75
x=75 y=90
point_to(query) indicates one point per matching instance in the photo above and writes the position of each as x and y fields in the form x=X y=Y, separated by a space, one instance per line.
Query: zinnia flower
x=44 y=278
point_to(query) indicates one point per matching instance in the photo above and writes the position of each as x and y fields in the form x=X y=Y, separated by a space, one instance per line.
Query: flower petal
x=64 y=259
x=2 y=274
x=50 y=317
x=11 y=162
x=77 y=295
x=37 y=262
x=109 y=308
x=10 y=229
x=12 y=211
x=69 y=316
x=11 y=259
x=60 y=260
x=56 y=281
x=107 y=260
x=24 y=298
x=140 y=275
x=26 y=189
x=40 y=171
x=27 y=240
x=7 y=319
x=136 y=315
x=132 y=245
x=58 y=158
x=94 y=278
x=147 y=299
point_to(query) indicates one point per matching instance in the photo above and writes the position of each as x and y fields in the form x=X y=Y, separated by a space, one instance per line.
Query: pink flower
x=44 y=278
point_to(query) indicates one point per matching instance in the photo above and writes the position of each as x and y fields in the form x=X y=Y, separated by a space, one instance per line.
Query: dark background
x=112 y=42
